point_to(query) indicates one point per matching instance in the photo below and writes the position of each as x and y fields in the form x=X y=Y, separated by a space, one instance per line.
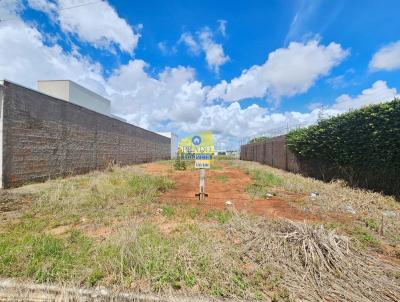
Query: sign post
x=202 y=195
x=199 y=147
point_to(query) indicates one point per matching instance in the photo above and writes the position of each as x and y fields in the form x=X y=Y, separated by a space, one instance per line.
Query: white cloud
x=27 y=59
x=214 y=52
x=174 y=95
x=298 y=29
x=9 y=9
x=314 y=105
x=378 y=93
x=232 y=121
x=287 y=72
x=45 y=6
x=172 y=98
x=165 y=49
x=95 y=23
x=204 y=42
x=187 y=39
x=387 y=58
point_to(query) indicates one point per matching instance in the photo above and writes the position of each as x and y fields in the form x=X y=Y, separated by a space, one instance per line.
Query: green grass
x=222 y=178
x=225 y=157
x=137 y=254
x=168 y=211
x=221 y=216
x=193 y=213
x=43 y=257
x=28 y=249
x=364 y=236
x=371 y=224
x=263 y=181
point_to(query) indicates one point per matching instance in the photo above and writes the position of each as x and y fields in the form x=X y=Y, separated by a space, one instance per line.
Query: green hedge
x=364 y=141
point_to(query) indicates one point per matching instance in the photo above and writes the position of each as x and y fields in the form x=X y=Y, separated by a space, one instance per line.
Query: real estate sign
x=198 y=147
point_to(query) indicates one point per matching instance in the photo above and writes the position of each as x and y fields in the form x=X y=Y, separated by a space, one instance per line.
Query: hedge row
x=363 y=142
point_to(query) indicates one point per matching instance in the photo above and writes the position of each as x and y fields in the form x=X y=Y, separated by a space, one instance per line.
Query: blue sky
x=240 y=69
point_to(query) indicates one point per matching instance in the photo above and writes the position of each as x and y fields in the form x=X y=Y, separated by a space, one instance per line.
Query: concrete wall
x=47 y=137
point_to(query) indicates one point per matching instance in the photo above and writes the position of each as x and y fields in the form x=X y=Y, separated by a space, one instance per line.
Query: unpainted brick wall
x=275 y=153
x=46 y=137
x=272 y=152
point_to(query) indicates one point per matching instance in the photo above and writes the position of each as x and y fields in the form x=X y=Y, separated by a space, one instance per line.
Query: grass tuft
x=263 y=182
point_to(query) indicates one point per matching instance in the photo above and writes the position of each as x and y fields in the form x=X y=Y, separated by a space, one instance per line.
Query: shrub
x=364 y=143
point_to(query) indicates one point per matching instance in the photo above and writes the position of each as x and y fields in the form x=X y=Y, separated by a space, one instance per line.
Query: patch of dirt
x=60 y=230
x=97 y=231
x=232 y=189
x=158 y=168
x=166 y=226
x=11 y=203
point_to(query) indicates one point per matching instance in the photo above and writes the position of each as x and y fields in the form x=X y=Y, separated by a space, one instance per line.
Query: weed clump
x=263 y=182
x=179 y=165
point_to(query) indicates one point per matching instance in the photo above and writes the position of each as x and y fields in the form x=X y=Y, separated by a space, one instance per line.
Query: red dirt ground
x=231 y=188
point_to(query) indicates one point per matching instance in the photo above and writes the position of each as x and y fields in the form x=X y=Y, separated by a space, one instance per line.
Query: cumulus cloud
x=173 y=97
x=173 y=94
x=27 y=59
x=204 y=42
x=9 y=8
x=98 y=24
x=214 y=52
x=287 y=72
x=235 y=121
x=378 y=93
x=387 y=58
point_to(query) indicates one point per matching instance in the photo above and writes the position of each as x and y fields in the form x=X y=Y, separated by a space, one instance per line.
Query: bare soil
x=226 y=183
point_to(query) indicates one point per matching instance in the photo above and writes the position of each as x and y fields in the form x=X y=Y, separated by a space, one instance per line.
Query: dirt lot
x=282 y=237
x=225 y=183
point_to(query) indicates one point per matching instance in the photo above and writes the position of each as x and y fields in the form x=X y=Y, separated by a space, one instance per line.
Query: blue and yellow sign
x=198 y=147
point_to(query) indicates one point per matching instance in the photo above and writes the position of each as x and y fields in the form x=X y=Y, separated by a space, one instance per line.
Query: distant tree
x=258 y=139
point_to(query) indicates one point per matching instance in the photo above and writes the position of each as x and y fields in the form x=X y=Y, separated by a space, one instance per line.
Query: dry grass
x=335 y=197
x=315 y=264
x=108 y=229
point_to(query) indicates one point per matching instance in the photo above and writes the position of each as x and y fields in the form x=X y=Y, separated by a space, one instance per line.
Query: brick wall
x=272 y=152
x=46 y=137
x=275 y=153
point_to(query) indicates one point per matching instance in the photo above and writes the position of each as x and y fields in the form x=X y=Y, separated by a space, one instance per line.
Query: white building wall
x=84 y=97
x=57 y=89
x=76 y=94
x=174 y=142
